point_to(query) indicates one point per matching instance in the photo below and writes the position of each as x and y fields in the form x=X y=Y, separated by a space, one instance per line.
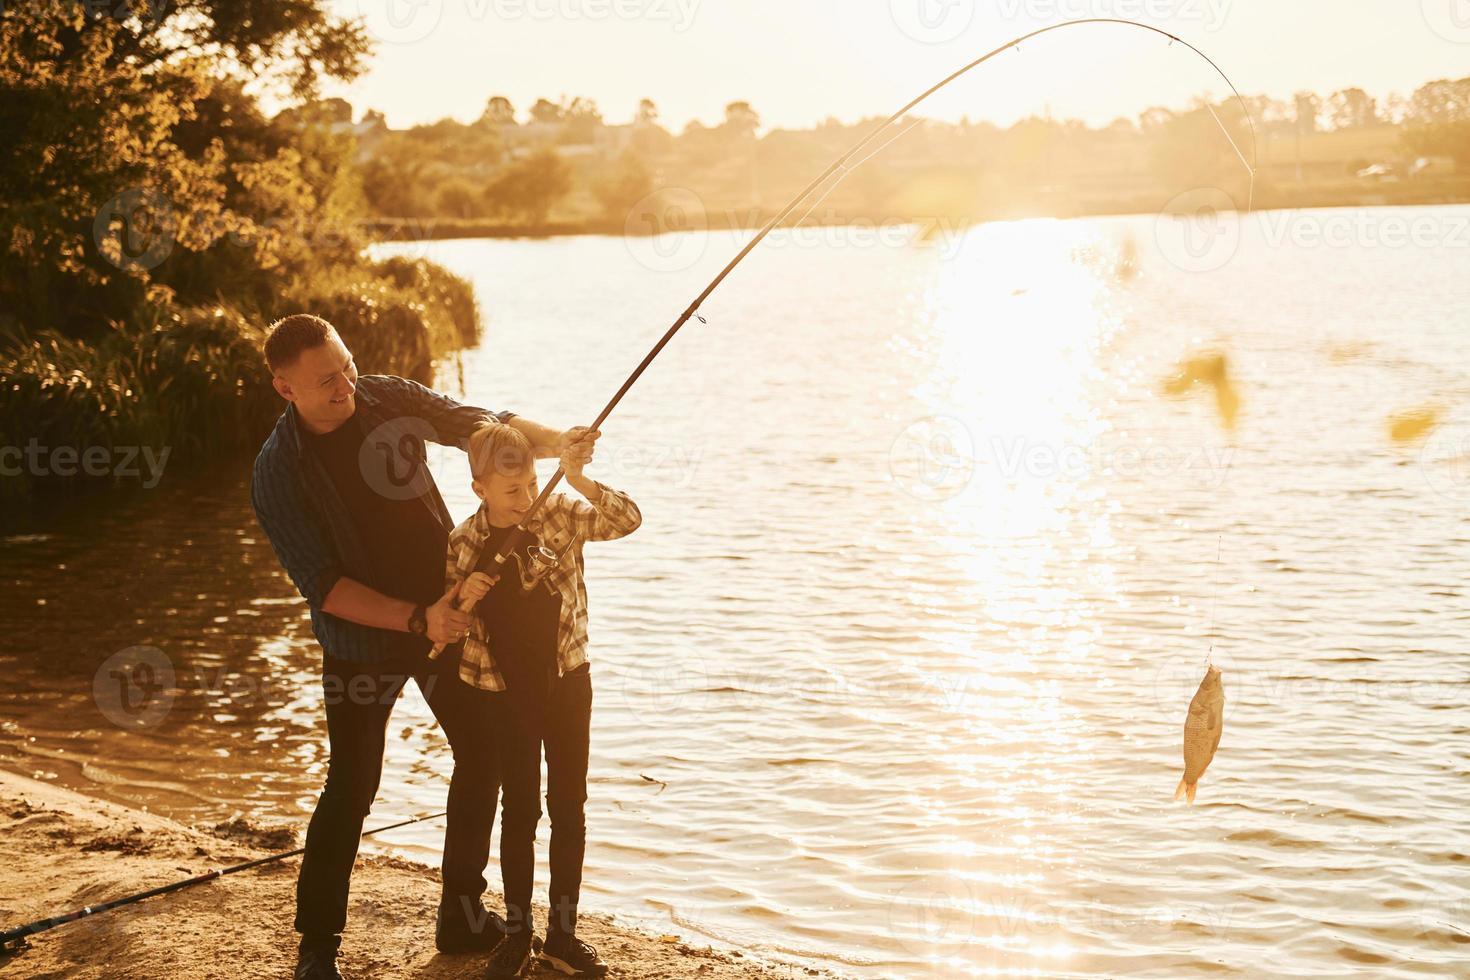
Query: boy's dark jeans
x=561 y=721
x=359 y=699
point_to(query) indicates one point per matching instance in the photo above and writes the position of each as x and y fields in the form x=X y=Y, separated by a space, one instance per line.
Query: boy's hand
x=577 y=446
x=477 y=586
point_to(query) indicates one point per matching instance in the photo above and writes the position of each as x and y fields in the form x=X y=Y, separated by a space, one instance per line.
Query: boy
x=527 y=651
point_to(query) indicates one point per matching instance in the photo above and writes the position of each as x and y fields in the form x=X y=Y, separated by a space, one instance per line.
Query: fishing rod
x=13 y=940
x=540 y=560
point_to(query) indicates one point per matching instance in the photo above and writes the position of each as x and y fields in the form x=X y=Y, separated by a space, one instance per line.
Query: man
x=343 y=490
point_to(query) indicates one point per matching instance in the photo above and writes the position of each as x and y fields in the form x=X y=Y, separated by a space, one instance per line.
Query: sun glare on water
x=1015 y=335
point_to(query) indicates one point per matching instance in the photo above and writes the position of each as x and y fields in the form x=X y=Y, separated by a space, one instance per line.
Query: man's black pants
x=560 y=721
x=359 y=699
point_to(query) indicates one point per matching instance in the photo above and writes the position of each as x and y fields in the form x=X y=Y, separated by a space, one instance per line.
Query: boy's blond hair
x=499 y=448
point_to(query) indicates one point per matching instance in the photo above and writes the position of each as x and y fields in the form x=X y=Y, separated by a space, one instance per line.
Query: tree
x=528 y=189
x=1440 y=101
x=327 y=112
x=1190 y=148
x=700 y=145
x=392 y=182
x=1437 y=120
x=582 y=120
x=546 y=111
x=499 y=112
x=1395 y=108
x=1268 y=111
x=649 y=138
x=741 y=120
x=1308 y=107
x=458 y=198
x=1352 y=109
x=1155 y=119
x=93 y=226
x=621 y=186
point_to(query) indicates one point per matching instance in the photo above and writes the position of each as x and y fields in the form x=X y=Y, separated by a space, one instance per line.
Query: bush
x=398 y=317
x=387 y=333
x=189 y=381
x=527 y=190
x=448 y=294
x=202 y=369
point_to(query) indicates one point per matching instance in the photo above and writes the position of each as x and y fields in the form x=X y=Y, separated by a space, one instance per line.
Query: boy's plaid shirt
x=562 y=525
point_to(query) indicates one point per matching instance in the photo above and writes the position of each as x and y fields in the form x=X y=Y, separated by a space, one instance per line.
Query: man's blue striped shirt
x=306 y=520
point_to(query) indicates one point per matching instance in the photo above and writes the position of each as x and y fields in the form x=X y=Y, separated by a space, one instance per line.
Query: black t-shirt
x=404 y=539
x=521 y=626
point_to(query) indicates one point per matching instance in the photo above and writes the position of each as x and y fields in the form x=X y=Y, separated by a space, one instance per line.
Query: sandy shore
x=63 y=850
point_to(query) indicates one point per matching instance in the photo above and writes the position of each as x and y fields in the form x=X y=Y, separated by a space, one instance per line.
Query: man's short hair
x=291 y=335
x=499 y=448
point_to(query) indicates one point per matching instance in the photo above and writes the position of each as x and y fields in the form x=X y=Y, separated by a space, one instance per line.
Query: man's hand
x=477 y=586
x=446 y=623
x=575 y=446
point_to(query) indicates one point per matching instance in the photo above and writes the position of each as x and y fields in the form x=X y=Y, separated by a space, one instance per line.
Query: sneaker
x=512 y=957
x=316 y=959
x=569 y=955
x=456 y=932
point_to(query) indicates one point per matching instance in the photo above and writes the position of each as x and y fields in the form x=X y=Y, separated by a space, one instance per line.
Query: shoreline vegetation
x=65 y=850
x=1425 y=192
x=160 y=218
x=561 y=168
x=158 y=221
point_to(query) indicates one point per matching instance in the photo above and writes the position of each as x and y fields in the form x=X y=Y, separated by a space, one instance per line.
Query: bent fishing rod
x=13 y=940
x=539 y=559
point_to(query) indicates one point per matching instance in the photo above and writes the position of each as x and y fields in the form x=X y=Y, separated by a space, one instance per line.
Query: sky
x=799 y=62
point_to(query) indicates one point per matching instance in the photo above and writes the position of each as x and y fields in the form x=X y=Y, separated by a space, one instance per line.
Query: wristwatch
x=418 y=621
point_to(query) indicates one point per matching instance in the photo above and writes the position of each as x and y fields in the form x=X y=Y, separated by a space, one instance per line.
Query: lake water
x=892 y=679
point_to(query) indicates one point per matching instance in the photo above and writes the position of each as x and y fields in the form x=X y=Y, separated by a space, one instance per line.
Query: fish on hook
x=1202 y=730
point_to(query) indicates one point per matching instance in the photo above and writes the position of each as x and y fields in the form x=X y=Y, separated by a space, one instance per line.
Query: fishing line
x=845 y=170
x=1215 y=589
x=512 y=540
x=1251 y=191
x=1250 y=170
x=1214 y=597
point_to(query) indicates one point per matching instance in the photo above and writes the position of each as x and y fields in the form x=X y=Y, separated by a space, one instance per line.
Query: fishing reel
x=537 y=562
x=533 y=565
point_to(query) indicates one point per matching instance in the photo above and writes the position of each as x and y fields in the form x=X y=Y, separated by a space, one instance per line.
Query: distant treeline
x=560 y=165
